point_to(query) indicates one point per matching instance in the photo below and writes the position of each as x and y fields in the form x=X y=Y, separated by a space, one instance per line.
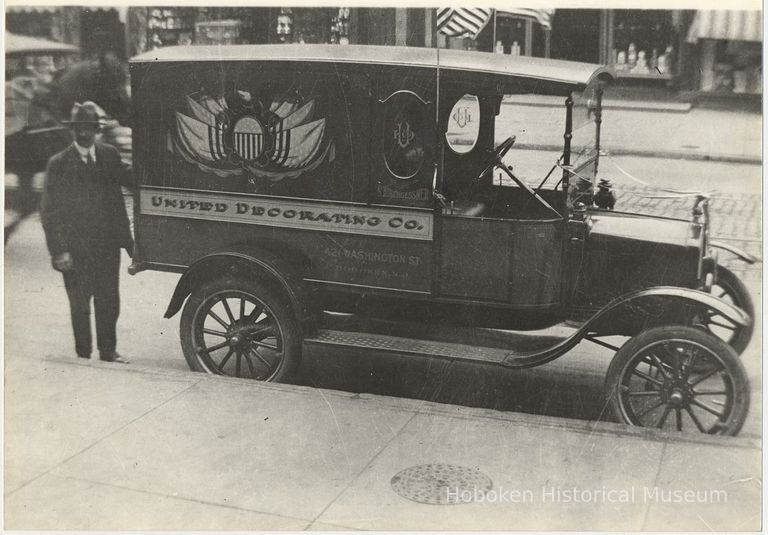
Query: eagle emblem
x=275 y=141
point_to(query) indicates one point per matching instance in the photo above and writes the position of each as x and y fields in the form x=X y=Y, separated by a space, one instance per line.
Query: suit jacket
x=82 y=210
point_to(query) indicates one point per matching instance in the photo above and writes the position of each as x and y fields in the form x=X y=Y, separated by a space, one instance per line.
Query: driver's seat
x=465 y=208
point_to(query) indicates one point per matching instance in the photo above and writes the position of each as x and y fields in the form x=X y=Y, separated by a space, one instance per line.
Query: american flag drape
x=457 y=22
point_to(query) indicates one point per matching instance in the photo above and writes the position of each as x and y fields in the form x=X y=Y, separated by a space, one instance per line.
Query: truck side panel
x=376 y=261
x=239 y=152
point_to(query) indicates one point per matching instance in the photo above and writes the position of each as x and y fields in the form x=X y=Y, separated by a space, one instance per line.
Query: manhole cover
x=441 y=484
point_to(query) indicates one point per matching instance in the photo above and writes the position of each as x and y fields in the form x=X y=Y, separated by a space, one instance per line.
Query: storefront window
x=313 y=25
x=731 y=67
x=643 y=43
x=511 y=36
x=575 y=35
x=729 y=49
x=170 y=26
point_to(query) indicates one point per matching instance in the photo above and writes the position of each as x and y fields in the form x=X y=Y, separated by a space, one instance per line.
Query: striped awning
x=457 y=22
x=31 y=9
x=726 y=25
x=542 y=16
x=122 y=11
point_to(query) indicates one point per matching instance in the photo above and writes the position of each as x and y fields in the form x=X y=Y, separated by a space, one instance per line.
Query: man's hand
x=62 y=262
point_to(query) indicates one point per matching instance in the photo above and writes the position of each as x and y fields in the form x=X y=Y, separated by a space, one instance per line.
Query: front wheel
x=678 y=378
x=240 y=328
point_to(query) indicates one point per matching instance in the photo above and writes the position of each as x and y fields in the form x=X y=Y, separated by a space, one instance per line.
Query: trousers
x=94 y=277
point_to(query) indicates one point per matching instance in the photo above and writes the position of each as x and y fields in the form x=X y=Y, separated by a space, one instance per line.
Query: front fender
x=748 y=258
x=284 y=270
x=662 y=305
x=632 y=313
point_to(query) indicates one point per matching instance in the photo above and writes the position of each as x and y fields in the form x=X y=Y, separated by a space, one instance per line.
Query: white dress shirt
x=83 y=152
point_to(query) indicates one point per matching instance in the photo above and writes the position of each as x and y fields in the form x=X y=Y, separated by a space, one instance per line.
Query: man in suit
x=86 y=226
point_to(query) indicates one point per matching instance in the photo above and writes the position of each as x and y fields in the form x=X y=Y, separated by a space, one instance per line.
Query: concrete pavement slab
x=726 y=490
x=286 y=453
x=32 y=285
x=540 y=463
x=45 y=426
x=57 y=503
x=320 y=526
x=261 y=448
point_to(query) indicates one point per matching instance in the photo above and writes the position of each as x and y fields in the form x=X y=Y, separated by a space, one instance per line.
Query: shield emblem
x=248 y=138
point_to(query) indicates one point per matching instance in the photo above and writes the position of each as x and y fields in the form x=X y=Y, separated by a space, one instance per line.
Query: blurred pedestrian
x=86 y=225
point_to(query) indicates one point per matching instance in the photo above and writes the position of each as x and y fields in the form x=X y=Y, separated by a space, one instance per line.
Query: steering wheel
x=502 y=149
x=498 y=153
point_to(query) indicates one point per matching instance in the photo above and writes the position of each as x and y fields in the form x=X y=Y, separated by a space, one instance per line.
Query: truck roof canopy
x=557 y=71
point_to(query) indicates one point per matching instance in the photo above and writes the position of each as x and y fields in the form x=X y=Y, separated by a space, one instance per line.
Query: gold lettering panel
x=289 y=213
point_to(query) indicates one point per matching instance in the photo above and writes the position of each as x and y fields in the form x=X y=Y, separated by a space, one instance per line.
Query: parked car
x=353 y=197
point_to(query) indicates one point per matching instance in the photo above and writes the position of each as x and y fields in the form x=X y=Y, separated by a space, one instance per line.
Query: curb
x=617 y=430
x=666 y=154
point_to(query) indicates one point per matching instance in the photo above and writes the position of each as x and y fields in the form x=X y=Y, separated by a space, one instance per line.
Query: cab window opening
x=463 y=128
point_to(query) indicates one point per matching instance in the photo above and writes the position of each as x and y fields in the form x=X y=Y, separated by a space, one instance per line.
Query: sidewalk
x=107 y=446
x=696 y=134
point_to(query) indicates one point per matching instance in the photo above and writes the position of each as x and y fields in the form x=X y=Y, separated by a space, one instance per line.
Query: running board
x=411 y=346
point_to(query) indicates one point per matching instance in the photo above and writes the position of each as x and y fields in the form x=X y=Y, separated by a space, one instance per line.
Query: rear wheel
x=240 y=328
x=678 y=378
x=731 y=290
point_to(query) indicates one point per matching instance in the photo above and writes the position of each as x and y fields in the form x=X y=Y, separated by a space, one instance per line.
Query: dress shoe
x=83 y=356
x=112 y=357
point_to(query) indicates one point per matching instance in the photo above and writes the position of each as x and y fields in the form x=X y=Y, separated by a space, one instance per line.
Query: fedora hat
x=86 y=113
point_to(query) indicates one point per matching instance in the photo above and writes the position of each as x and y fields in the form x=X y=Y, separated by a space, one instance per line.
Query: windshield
x=584 y=130
x=584 y=145
x=538 y=124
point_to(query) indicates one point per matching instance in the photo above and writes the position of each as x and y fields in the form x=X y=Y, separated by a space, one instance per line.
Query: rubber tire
x=731 y=360
x=276 y=301
x=740 y=297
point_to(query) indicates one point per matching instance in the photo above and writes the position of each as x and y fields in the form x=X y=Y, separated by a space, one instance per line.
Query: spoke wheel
x=678 y=378
x=731 y=290
x=240 y=328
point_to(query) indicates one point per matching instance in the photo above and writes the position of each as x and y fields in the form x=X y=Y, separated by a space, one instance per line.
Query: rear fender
x=662 y=305
x=285 y=271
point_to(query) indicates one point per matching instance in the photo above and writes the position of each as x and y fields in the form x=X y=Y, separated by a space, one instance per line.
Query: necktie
x=89 y=161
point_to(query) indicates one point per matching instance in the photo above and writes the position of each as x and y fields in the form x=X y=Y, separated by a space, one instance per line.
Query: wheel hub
x=677 y=394
x=676 y=398
x=238 y=336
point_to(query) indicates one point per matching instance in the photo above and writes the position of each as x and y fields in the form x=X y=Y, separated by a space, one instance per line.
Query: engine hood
x=626 y=252
x=643 y=228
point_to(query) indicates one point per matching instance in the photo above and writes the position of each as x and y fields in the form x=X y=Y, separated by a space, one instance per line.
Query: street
x=37 y=320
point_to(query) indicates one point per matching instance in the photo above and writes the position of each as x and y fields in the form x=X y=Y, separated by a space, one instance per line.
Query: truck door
x=402 y=149
x=497 y=242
